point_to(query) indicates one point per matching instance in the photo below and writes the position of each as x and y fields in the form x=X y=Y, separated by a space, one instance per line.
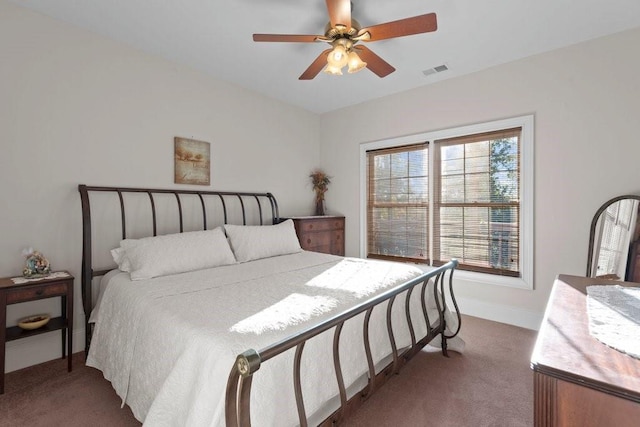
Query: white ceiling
x=215 y=37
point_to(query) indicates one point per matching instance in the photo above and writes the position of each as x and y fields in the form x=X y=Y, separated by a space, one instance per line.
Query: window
x=398 y=206
x=454 y=194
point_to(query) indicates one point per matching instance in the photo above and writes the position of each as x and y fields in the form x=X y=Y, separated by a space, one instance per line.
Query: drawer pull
x=39 y=292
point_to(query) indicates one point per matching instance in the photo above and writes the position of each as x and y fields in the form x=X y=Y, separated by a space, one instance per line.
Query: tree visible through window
x=475 y=211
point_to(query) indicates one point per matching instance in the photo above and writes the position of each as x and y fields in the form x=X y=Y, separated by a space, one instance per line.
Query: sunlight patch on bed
x=293 y=310
x=363 y=278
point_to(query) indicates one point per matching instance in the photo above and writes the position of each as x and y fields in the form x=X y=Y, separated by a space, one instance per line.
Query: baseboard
x=38 y=349
x=501 y=313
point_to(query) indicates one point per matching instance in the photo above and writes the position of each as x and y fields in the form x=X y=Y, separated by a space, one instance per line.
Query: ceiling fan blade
x=284 y=38
x=339 y=13
x=403 y=27
x=316 y=66
x=376 y=64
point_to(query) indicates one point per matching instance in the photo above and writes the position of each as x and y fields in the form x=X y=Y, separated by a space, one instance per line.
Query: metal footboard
x=238 y=394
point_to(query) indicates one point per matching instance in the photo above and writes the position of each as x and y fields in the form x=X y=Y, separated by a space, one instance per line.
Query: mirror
x=614 y=240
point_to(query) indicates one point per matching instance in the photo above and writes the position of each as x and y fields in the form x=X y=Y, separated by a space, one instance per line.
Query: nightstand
x=59 y=284
x=321 y=233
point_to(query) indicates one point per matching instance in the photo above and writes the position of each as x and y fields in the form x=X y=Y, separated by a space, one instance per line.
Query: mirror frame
x=594 y=223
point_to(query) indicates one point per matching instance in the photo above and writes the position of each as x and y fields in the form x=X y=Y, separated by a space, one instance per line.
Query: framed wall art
x=192 y=161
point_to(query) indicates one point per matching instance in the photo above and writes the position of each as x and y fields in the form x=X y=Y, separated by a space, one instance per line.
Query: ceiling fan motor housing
x=341 y=30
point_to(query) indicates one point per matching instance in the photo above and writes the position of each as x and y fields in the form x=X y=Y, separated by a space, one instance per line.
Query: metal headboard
x=246 y=200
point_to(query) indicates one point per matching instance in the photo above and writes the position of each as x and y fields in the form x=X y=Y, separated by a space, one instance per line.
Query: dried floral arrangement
x=320 y=181
x=36 y=264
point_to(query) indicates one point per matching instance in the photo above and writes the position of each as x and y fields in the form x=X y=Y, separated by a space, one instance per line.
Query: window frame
x=526 y=184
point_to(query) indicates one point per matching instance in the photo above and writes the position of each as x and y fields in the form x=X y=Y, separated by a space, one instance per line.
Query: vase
x=320 y=207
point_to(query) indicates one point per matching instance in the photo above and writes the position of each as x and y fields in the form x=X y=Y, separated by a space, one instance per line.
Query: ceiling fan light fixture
x=355 y=63
x=334 y=70
x=338 y=56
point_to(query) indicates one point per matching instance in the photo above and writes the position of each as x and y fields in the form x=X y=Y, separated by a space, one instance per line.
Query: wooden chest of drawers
x=579 y=381
x=321 y=233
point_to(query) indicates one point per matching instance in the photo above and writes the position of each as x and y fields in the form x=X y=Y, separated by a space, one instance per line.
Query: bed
x=223 y=319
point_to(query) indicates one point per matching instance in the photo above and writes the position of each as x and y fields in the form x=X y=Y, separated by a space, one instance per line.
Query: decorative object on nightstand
x=36 y=265
x=320 y=181
x=23 y=289
x=34 y=322
x=320 y=233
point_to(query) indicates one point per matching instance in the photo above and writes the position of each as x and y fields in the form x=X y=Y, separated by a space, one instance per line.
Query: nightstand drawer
x=321 y=242
x=36 y=292
x=311 y=241
x=322 y=224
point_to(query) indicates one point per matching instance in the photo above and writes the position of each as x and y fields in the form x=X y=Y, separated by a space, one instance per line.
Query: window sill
x=485 y=279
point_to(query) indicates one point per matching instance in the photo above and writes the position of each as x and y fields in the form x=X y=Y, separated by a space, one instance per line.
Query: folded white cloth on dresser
x=614 y=317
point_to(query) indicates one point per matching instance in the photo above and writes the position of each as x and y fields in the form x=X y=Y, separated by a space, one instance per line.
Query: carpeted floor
x=491 y=384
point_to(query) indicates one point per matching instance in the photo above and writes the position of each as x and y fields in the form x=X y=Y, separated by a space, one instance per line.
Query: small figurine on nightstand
x=36 y=265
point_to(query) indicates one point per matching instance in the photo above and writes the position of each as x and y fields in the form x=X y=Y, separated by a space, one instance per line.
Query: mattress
x=167 y=344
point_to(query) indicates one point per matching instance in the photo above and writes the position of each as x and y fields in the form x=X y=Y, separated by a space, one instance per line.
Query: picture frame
x=192 y=161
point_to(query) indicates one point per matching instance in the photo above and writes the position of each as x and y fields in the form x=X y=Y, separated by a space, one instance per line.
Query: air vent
x=438 y=69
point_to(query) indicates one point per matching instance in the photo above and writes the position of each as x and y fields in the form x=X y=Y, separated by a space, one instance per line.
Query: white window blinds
x=477 y=202
x=475 y=209
x=398 y=203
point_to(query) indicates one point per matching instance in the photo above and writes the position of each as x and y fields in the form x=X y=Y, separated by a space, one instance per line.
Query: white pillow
x=120 y=254
x=174 y=253
x=250 y=242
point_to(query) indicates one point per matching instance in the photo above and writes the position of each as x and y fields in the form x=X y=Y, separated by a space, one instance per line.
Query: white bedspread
x=167 y=344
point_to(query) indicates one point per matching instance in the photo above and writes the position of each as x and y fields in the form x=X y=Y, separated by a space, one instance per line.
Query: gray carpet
x=491 y=384
x=46 y=395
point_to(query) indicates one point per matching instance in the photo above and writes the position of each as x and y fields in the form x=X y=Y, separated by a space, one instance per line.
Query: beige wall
x=78 y=108
x=586 y=102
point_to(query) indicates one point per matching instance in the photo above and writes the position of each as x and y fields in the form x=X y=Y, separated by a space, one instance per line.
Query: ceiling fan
x=343 y=33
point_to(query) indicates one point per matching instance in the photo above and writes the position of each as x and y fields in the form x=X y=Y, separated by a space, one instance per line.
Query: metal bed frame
x=238 y=392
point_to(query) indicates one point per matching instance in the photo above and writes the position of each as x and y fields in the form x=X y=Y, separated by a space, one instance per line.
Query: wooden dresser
x=320 y=233
x=578 y=381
